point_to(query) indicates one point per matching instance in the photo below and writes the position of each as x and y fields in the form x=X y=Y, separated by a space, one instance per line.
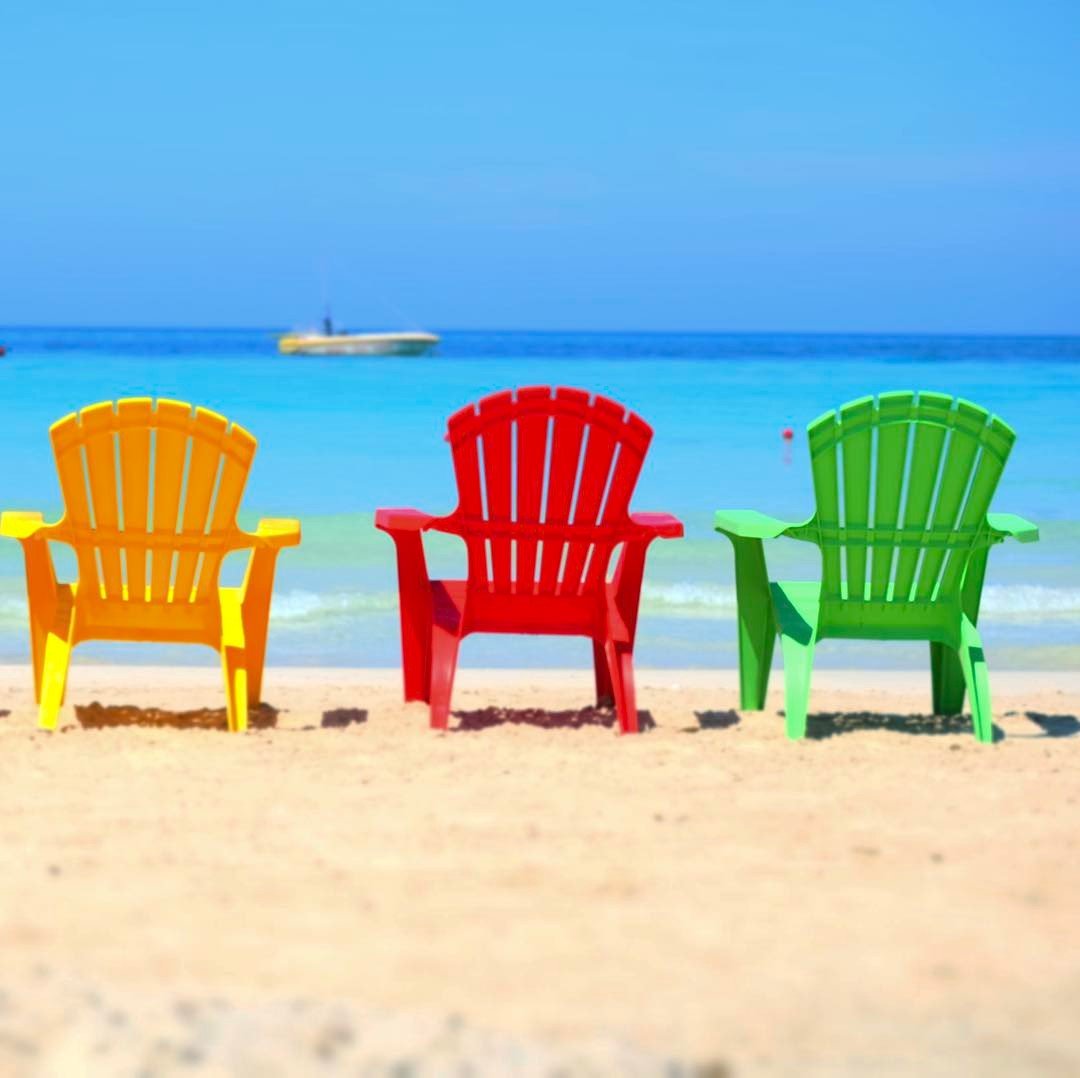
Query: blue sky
x=847 y=166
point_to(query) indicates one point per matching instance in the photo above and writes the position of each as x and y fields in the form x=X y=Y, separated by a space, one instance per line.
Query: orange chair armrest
x=15 y=524
x=276 y=533
x=402 y=520
x=660 y=525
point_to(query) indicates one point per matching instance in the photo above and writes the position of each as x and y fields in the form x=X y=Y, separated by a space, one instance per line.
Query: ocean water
x=340 y=436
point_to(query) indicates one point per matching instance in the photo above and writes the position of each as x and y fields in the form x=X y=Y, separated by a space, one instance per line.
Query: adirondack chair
x=150 y=500
x=903 y=487
x=538 y=557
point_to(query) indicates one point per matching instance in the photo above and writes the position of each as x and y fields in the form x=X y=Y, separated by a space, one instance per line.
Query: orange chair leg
x=234 y=667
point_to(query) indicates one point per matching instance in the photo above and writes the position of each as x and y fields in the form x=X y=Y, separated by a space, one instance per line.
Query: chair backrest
x=150 y=496
x=544 y=478
x=903 y=484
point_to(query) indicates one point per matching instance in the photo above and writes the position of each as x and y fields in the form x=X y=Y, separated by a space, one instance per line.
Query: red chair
x=544 y=481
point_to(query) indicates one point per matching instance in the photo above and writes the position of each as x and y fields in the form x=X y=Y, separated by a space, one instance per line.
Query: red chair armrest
x=402 y=520
x=662 y=525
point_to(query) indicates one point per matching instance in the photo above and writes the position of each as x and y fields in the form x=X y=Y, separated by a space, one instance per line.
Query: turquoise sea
x=340 y=436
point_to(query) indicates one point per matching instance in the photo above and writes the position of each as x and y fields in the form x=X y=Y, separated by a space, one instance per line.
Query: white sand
x=535 y=892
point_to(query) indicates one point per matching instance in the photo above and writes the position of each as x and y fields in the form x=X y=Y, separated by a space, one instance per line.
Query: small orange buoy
x=787 y=434
x=3 y=350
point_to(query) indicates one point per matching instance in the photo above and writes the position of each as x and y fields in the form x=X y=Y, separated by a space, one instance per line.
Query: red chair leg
x=621 y=664
x=605 y=692
x=444 y=654
x=416 y=666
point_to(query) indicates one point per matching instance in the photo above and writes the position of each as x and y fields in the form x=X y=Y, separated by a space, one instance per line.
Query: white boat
x=356 y=344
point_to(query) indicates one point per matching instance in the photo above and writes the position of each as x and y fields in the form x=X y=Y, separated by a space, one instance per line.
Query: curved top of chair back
x=150 y=483
x=544 y=477
x=900 y=476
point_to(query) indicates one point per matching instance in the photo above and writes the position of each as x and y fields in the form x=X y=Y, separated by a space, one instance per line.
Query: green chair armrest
x=749 y=524
x=1009 y=525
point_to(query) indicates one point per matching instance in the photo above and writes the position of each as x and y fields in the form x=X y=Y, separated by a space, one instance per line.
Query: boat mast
x=328 y=319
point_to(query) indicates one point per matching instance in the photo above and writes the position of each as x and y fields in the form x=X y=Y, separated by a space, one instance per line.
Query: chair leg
x=56 y=660
x=947 y=676
x=444 y=655
x=973 y=663
x=605 y=691
x=798 y=667
x=39 y=637
x=416 y=614
x=620 y=660
x=756 y=623
x=234 y=667
x=416 y=664
x=756 y=644
x=256 y=627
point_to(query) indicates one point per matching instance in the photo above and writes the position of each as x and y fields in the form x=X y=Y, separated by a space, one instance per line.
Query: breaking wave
x=306 y=610
x=1018 y=603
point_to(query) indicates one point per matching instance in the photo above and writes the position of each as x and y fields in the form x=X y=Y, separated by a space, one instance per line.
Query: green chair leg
x=798 y=666
x=973 y=662
x=757 y=626
x=948 y=680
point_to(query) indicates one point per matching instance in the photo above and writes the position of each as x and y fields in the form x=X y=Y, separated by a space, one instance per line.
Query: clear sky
x=864 y=165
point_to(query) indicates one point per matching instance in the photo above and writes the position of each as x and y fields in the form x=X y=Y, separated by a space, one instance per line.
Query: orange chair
x=150 y=501
x=544 y=479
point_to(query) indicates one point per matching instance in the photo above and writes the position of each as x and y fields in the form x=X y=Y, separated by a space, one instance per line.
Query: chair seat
x=461 y=611
x=797 y=604
x=166 y=622
x=801 y=614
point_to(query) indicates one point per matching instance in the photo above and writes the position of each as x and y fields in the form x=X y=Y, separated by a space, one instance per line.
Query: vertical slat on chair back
x=151 y=495
x=823 y=462
x=543 y=477
x=908 y=479
x=893 y=411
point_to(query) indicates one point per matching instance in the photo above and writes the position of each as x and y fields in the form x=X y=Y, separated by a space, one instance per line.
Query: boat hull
x=357 y=344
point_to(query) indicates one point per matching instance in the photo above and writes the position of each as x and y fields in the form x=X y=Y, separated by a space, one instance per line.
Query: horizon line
x=987 y=334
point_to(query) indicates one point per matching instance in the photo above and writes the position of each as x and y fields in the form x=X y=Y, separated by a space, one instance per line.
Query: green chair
x=902 y=485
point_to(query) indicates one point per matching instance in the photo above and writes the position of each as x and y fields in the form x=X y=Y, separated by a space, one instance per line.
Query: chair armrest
x=749 y=524
x=1009 y=525
x=277 y=533
x=660 y=525
x=21 y=525
x=402 y=520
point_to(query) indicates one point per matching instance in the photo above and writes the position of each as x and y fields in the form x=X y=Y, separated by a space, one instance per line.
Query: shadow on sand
x=714 y=720
x=576 y=719
x=340 y=717
x=97 y=716
x=1054 y=725
x=826 y=724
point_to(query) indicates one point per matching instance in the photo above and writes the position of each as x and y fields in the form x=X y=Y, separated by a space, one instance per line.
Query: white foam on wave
x=300 y=607
x=303 y=609
x=12 y=612
x=1029 y=602
x=1020 y=602
x=689 y=600
x=1012 y=602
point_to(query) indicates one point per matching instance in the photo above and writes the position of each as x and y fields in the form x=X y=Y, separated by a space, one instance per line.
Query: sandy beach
x=342 y=889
